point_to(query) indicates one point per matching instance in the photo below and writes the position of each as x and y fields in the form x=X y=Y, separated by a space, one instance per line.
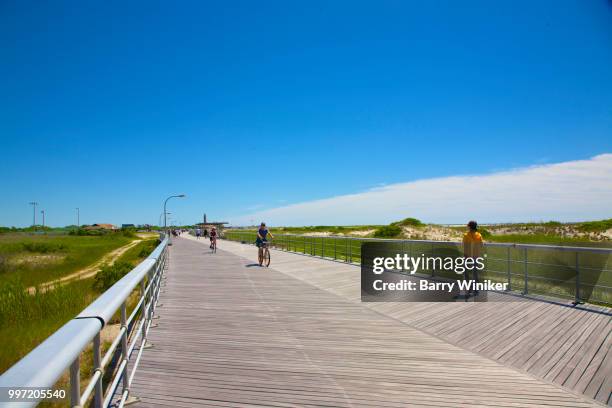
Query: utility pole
x=78 y=218
x=34 y=204
x=43 y=215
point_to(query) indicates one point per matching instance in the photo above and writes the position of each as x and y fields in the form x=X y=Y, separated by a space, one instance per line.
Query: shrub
x=87 y=232
x=42 y=247
x=128 y=232
x=596 y=226
x=409 y=222
x=3 y=264
x=485 y=233
x=148 y=248
x=389 y=231
x=110 y=274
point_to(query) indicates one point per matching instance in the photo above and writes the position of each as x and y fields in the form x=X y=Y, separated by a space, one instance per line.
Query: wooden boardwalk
x=561 y=344
x=233 y=334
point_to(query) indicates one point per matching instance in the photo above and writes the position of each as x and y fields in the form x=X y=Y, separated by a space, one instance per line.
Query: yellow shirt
x=472 y=244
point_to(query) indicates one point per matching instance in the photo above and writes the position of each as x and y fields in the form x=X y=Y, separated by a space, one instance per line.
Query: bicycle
x=213 y=246
x=264 y=254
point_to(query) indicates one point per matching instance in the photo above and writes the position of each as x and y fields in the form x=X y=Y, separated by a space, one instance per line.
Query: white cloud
x=568 y=191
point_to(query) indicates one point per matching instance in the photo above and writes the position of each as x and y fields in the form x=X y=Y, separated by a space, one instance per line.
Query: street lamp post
x=160 y=217
x=165 y=202
x=34 y=204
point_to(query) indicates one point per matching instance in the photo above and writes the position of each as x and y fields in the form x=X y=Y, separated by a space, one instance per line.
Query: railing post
x=526 y=289
x=350 y=256
x=145 y=313
x=304 y=244
x=509 y=271
x=322 y=247
x=577 y=299
x=124 y=347
x=75 y=383
x=97 y=359
x=335 y=242
x=433 y=271
x=346 y=250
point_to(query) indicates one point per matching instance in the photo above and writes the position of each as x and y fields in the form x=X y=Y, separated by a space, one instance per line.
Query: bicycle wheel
x=267 y=257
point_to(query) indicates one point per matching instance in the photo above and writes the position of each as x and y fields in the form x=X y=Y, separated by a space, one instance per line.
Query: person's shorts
x=259 y=243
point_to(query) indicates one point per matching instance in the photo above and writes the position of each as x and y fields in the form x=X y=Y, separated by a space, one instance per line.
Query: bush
x=128 y=232
x=42 y=247
x=596 y=226
x=409 y=222
x=148 y=248
x=87 y=232
x=110 y=274
x=389 y=231
x=485 y=233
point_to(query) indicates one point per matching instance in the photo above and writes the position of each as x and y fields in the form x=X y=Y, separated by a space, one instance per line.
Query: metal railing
x=578 y=273
x=43 y=366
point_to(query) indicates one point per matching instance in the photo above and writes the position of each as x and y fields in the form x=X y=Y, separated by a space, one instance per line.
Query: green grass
x=34 y=259
x=27 y=319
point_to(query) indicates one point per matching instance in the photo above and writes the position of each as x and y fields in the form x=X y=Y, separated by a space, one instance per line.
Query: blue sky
x=248 y=106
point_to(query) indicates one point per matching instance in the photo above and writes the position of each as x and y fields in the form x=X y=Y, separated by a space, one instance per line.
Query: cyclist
x=213 y=237
x=262 y=238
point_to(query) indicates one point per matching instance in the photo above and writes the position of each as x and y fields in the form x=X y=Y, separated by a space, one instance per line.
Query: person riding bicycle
x=213 y=237
x=262 y=238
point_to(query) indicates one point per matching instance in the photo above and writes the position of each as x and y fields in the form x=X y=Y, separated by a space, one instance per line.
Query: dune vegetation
x=26 y=317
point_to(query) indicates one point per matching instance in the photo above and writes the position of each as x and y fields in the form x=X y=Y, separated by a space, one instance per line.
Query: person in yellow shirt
x=472 y=248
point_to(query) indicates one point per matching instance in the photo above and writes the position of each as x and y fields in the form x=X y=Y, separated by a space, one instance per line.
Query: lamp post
x=43 y=215
x=165 y=202
x=34 y=204
x=160 y=217
x=78 y=218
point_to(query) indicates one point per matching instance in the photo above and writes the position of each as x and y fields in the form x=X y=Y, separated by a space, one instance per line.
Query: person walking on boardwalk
x=472 y=249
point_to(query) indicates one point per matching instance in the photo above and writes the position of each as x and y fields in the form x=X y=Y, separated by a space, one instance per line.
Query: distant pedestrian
x=472 y=249
x=198 y=233
x=205 y=233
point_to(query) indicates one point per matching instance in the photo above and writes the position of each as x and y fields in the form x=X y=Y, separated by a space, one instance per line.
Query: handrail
x=431 y=241
x=524 y=267
x=44 y=365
